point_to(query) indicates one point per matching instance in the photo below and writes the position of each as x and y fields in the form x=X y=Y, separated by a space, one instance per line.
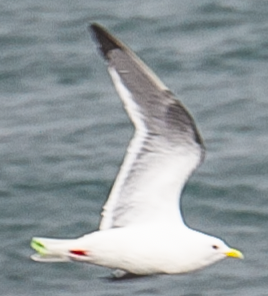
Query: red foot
x=78 y=252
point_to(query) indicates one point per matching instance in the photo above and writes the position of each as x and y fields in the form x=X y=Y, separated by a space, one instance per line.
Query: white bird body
x=141 y=249
x=142 y=230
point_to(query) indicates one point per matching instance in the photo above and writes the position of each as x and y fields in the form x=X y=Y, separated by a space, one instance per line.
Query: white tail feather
x=49 y=258
x=52 y=250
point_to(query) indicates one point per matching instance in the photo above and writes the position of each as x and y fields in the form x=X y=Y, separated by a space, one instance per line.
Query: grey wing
x=165 y=149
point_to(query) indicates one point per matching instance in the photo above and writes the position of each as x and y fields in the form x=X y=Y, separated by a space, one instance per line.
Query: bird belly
x=139 y=252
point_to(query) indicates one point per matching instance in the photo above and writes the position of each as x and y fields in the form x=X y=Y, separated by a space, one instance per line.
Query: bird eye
x=215 y=247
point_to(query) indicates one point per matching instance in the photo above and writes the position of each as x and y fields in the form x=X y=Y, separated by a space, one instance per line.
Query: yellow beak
x=234 y=253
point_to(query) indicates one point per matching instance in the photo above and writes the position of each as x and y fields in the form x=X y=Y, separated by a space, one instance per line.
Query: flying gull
x=142 y=231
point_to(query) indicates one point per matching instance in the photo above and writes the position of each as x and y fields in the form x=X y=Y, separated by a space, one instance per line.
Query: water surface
x=64 y=133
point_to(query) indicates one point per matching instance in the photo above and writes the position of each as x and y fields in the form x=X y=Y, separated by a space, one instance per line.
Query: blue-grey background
x=63 y=134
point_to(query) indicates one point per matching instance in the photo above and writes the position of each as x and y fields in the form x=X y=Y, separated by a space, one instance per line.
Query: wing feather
x=165 y=149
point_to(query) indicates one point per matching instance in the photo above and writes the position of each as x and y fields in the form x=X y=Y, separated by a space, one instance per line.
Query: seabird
x=142 y=230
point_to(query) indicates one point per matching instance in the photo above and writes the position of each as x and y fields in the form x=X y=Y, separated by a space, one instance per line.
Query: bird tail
x=52 y=250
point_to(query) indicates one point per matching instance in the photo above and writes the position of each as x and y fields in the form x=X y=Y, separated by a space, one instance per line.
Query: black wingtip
x=104 y=39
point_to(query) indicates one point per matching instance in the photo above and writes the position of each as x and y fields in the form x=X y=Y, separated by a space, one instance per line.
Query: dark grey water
x=63 y=134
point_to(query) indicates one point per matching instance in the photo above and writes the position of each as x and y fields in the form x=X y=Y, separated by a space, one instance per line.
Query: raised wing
x=164 y=151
